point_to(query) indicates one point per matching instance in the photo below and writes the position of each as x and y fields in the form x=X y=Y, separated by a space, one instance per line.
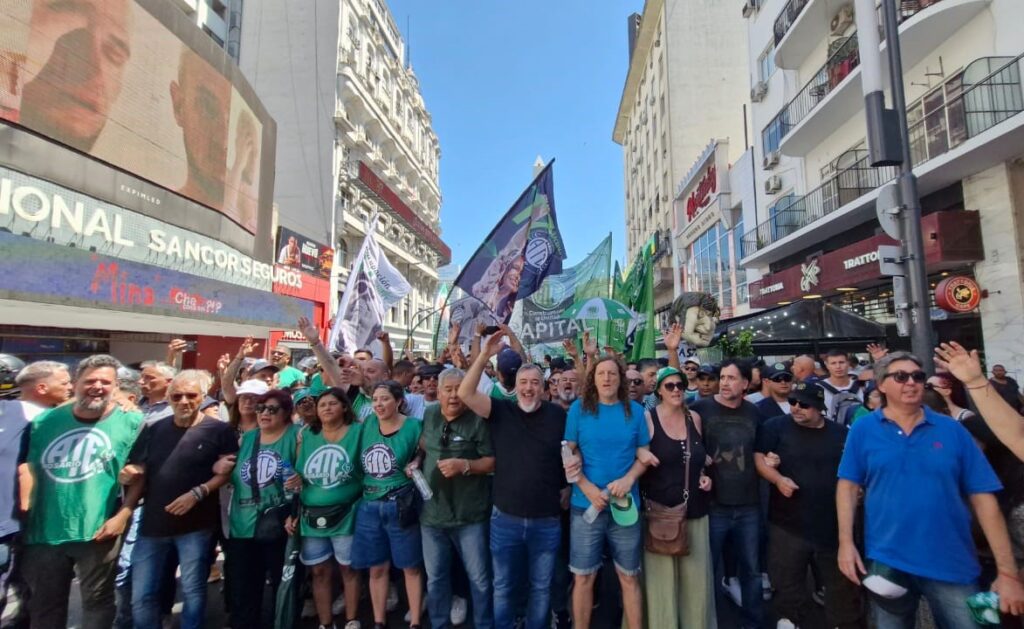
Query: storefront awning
x=804 y=323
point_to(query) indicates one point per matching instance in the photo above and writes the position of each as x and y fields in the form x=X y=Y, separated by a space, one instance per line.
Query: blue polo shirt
x=607 y=443
x=917 y=518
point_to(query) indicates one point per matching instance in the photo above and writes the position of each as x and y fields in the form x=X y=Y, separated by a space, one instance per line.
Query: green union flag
x=636 y=291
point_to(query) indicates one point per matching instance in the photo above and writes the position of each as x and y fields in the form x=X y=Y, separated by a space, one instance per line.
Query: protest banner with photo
x=374 y=286
x=522 y=249
x=540 y=323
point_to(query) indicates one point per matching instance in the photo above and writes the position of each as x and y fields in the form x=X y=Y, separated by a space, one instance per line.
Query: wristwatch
x=465 y=472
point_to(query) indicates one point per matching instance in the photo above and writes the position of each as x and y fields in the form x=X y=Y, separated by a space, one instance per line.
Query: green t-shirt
x=271 y=462
x=498 y=394
x=75 y=466
x=460 y=500
x=289 y=376
x=362 y=407
x=384 y=457
x=316 y=384
x=330 y=475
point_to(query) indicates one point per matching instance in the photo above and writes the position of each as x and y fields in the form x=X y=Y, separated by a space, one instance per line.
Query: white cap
x=252 y=387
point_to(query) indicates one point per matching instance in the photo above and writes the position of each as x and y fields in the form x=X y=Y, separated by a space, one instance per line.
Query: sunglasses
x=446 y=433
x=268 y=408
x=636 y=381
x=177 y=397
x=278 y=354
x=674 y=386
x=430 y=377
x=690 y=368
x=782 y=377
x=795 y=402
x=904 y=377
x=305 y=400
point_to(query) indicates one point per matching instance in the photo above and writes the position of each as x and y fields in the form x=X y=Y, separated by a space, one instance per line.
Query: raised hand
x=964 y=365
x=877 y=351
x=673 y=337
x=308 y=330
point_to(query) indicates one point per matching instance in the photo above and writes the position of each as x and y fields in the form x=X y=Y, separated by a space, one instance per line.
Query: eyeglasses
x=782 y=377
x=278 y=353
x=446 y=432
x=903 y=377
x=801 y=404
x=177 y=397
x=674 y=386
x=267 y=408
x=432 y=376
x=636 y=381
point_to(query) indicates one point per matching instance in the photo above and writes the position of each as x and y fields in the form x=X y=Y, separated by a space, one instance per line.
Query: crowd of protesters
x=487 y=486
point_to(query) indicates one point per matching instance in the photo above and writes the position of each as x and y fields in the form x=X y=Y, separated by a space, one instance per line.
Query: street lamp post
x=415 y=321
x=888 y=138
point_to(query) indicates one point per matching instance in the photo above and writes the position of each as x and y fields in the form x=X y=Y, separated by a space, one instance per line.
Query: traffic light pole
x=889 y=145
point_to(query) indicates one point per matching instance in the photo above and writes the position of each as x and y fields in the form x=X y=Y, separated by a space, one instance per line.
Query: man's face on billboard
x=82 y=47
x=202 y=104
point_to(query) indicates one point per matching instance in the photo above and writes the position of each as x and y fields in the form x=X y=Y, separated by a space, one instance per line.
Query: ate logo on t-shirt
x=329 y=466
x=379 y=461
x=268 y=466
x=77 y=455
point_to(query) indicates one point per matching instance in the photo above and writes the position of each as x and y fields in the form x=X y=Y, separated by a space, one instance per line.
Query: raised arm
x=479 y=403
x=1006 y=423
x=227 y=379
x=386 y=353
x=673 y=336
x=174 y=351
x=332 y=372
x=513 y=342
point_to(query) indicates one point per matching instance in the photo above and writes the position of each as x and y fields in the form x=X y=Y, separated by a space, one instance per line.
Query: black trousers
x=249 y=564
x=790 y=556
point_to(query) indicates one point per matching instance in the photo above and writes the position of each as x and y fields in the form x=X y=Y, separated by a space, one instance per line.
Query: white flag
x=373 y=287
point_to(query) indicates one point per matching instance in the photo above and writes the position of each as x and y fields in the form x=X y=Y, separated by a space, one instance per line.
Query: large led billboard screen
x=133 y=84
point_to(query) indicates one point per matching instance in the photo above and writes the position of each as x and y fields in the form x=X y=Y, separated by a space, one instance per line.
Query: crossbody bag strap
x=686 y=460
x=254 y=482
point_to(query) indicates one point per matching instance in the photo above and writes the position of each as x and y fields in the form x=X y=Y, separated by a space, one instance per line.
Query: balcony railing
x=787 y=17
x=987 y=93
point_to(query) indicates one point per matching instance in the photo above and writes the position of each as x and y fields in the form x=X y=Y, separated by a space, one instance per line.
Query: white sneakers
x=338 y=606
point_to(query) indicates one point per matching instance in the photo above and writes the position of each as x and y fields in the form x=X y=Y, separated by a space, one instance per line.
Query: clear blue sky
x=506 y=81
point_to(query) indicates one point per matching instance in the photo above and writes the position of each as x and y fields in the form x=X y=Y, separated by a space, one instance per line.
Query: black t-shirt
x=730 y=435
x=1009 y=391
x=769 y=408
x=528 y=474
x=178 y=459
x=810 y=457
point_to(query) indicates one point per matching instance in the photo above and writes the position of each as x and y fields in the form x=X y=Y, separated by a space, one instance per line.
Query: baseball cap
x=260 y=365
x=252 y=387
x=624 y=510
x=207 y=403
x=430 y=370
x=775 y=369
x=509 y=361
x=665 y=372
x=309 y=362
x=810 y=394
x=707 y=370
x=300 y=394
x=690 y=361
x=558 y=363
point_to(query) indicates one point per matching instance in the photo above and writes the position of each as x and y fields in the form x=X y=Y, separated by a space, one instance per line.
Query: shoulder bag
x=270 y=521
x=665 y=527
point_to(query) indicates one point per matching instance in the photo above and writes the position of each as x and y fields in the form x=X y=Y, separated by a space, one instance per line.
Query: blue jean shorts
x=379 y=538
x=587 y=543
x=317 y=550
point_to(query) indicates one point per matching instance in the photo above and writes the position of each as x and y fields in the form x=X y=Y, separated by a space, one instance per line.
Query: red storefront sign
x=950 y=238
x=288 y=281
x=958 y=294
x=700 y=197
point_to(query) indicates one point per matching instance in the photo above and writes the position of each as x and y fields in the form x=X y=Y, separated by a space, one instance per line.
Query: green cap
x=665 y=372
x=624 y=510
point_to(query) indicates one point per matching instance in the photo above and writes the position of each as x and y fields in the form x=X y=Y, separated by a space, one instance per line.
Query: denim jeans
x=523 y=550
x=148 y=561
x=470 y=541
x=740 y=527
x=947 y=602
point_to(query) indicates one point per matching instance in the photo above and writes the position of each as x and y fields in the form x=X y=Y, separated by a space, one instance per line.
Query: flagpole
x=346 y=298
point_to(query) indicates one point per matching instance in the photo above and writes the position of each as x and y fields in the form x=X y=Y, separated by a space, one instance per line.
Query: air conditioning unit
x=749 y=7
x=841 y=20
x=757 y=93
x=771 y=159
x=772 y=184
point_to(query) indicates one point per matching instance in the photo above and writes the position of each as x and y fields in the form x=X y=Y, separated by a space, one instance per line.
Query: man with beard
x=85 y=46
x=567 y=389
x=75 y=518
x=525 y=531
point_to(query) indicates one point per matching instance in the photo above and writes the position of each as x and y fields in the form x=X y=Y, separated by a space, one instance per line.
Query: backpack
x=845 y=404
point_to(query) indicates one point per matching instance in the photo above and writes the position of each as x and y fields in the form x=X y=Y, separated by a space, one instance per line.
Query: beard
x=567 y=396
x=92 y=404
x=529 y=408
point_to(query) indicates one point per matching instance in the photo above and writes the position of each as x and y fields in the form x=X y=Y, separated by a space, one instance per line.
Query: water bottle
x=567 y=455
x=287 y=471
x=592 y=511
x=421 y=484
